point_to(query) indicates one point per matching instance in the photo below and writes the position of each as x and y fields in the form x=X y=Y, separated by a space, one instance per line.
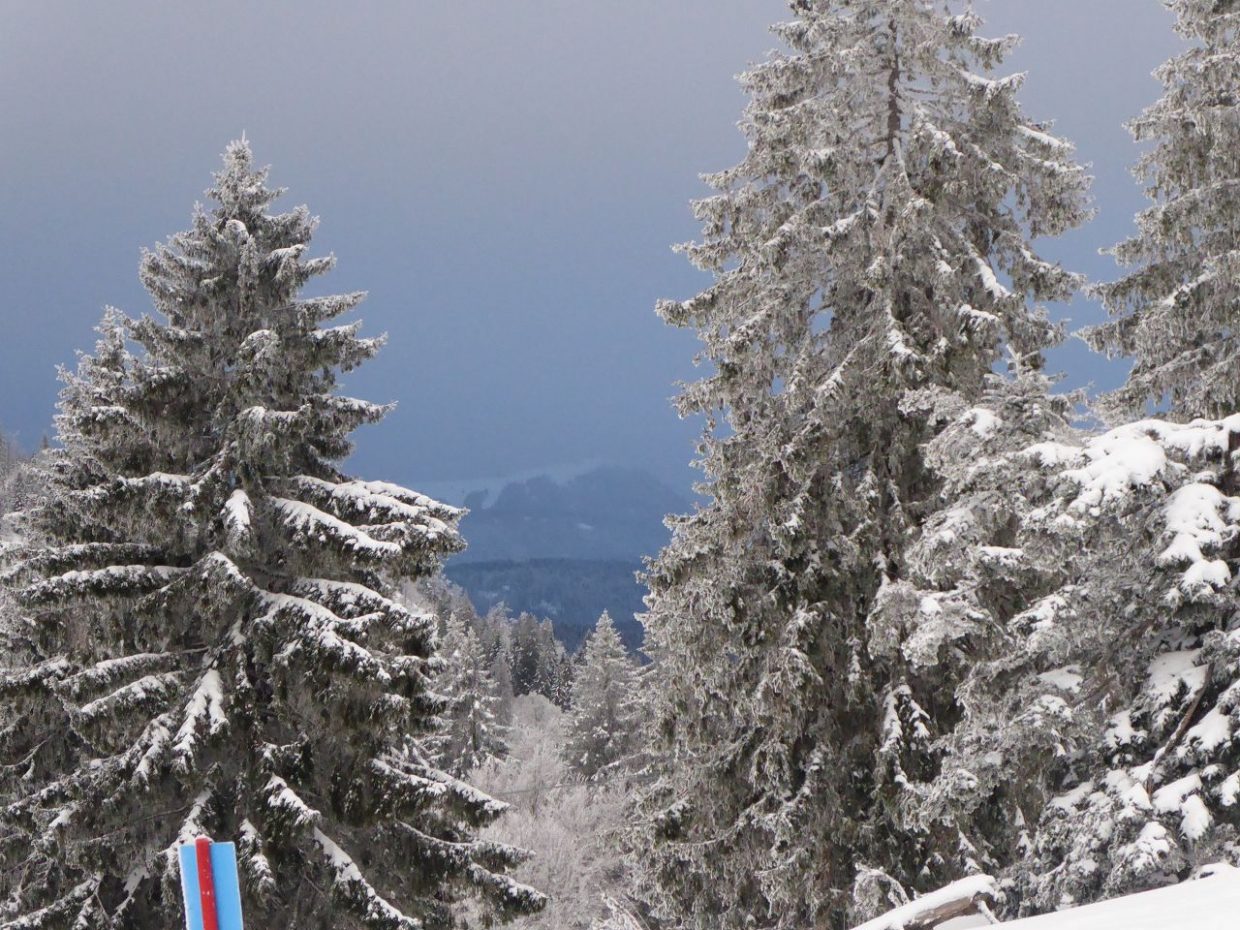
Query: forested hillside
x=569 y=592
x=567 y=546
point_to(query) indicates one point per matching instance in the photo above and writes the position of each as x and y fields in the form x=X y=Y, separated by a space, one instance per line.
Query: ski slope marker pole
x=206 y=884
x=210 y=885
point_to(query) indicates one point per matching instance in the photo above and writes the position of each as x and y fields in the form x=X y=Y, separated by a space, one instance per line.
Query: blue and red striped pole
x=210 y=886
x=206 y=884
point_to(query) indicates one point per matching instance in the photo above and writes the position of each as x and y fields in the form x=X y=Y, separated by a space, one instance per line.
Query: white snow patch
x=237 y=511
x=1172 y=672
x=1169 y=798
x=1068 y=678
x=990 y=282
x=1043 y=138
x=984 y=422
x=1054 y=454
x=1209 y=903
x=1116 y=465
x=1200 y=518
x=1209 y=733
x=1070 y=800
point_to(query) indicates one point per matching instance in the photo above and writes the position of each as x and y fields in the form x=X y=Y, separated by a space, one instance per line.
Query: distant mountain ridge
x=565 y=543
x=454 y=491
x=600 y=513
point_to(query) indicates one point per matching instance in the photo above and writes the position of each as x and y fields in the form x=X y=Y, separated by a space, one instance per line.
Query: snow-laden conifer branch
x=253 y=861
x=285 y=811
x=358 y=895
x=354 y=601
x=56 y=914
x=132 y=698
x=113 y=581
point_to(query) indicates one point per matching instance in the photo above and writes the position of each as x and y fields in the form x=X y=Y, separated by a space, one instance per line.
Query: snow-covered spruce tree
x=1178 y=310
x=210 y=604
x=11 y=464
x=604 y=717
x=471 y=730
x=874 y=242
x=1100 y=739
x=954 y=617
x=1098 y=749
x=444 y=599
x=497 y=641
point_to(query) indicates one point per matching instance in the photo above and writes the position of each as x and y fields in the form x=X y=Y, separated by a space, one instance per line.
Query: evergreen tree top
x=1175 y=309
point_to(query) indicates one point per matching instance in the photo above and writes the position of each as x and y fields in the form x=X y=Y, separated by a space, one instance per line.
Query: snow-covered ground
x=1211 y=902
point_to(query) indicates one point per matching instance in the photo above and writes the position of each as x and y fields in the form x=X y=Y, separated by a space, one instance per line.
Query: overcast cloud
x=505 y=179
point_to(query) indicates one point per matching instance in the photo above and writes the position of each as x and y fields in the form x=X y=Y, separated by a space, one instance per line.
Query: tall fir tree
x=471 y=730
x=1177 y=313
x=209 y=606
x=875 y=243
x=603 y=723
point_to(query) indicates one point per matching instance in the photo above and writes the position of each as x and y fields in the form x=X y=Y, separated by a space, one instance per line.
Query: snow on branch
x=157 y=737
x=481 y=804
x=968 y=896
x=286 y=810
x=110 y=582
x=315 y=630
x=238 y=520
x=109 y=671
x=191 y=828
x=146 y=691
x=310 y=526
x=401 y=791
x=42 y=677
x=254 y=862
x=353 y=601
x=505 y=891
x=358 y=894
x=56 y=913
x=1045 y=139
x=991 y=88
x=204 y=714
x=377 y=502
x=1200 y=519
x=54 y=561
x=314 y=310
x=449 y=852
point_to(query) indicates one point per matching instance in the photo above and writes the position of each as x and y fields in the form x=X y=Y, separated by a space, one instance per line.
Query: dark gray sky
x=505 y=178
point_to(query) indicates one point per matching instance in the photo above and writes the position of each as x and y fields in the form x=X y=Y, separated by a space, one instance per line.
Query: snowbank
x=1211 y=903
x=1208 y=903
